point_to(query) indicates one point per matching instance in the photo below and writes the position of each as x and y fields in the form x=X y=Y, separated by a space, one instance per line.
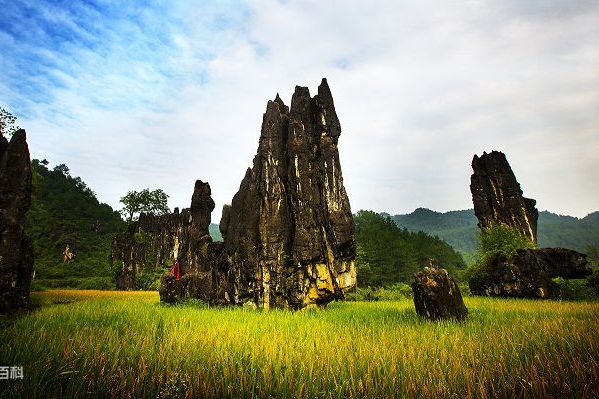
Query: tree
x=64 y=169
x=145 y=201
x=8 y=124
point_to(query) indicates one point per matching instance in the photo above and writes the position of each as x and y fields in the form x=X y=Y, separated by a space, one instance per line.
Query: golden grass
x=126 y=344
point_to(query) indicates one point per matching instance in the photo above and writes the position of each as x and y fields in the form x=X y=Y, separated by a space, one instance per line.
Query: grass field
x=126 y=344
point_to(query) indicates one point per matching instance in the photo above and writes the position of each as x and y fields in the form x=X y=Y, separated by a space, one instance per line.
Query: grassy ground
x=101 y=343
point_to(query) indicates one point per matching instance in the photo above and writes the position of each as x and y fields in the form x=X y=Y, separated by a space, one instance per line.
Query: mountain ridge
x=459 y=228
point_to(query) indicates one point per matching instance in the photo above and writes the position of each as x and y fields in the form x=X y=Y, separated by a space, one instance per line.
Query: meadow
x=127 y=344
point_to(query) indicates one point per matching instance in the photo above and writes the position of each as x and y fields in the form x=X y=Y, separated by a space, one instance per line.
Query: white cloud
x=420 y=87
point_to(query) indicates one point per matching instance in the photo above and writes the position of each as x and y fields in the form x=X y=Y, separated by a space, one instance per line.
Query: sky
x=157 y=94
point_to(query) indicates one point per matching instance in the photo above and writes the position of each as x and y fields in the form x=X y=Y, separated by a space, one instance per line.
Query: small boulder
x=437 y=295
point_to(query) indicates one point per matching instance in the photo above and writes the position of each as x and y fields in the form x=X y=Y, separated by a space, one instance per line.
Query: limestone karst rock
x=289 y=232
x=153 y=242
x=437 y=295
x=497 y=196
x=498 y=199
x=529 y=273
x=16 y=248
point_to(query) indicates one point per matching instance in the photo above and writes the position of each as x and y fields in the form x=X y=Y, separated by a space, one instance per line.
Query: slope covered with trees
x=387 y=254
x=64 y=211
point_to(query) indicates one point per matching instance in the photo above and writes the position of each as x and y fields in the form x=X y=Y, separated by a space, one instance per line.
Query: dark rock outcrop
x=289 y=232
x=498 y=199
x=497 y=196
x=153 y=242
x=437 y=295
x=528 y=274
x=16 y=249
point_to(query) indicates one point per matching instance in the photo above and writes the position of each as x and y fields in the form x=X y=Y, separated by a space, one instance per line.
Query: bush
x=393 y=292
x=148 y=281
x=89 y=283
x=593 y=281
x=574 y=289
x=499 y=238
x=495 y=240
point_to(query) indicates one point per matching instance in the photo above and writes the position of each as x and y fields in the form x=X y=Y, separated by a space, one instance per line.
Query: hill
x=459 y=228
x=64 y=211
x=387 y=254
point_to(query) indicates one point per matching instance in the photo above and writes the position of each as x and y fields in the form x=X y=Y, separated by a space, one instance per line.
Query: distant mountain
x=215 y=232
x=459 y=229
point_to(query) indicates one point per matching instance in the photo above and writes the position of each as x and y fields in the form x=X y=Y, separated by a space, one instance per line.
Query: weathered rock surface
x=289 y=232
x=154 y=242
x=497 y=196
x=498 y=199
x=528 y=274
x=437 y=295
x=16 y=249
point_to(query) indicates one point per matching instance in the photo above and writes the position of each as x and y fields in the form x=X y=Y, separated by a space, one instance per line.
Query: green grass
x=126 y=344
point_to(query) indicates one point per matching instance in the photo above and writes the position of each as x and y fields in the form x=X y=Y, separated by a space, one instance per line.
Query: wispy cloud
x=159 y=94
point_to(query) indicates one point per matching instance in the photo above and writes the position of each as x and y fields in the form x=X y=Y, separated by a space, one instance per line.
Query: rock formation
x=528 y=274
x=437 y=295
x=154 y=242
x=497 y=196
x=498 y=199
x=289 y=232
x=16 y=249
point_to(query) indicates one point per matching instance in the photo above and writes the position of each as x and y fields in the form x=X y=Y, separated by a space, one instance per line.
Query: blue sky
x=159 y=93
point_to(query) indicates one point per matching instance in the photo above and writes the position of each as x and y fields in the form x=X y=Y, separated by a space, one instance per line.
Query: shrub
x=593 y=281
x=148 y=281
x=393 y=292
x=574 y=289
x=497 y=239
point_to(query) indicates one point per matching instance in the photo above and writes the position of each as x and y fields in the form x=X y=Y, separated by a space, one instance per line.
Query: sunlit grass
x=126 y=344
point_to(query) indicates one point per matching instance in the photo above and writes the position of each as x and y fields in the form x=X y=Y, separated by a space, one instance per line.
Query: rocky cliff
x=497 y=196
x=16 y=249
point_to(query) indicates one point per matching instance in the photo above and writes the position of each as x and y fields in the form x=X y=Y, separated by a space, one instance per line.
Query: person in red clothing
x=176 y=269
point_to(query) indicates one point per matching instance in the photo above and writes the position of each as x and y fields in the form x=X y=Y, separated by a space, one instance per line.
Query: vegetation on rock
x=495 y=240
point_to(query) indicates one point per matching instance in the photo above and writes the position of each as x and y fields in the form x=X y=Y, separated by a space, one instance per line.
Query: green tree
x=145 y=201
x=387 y=254
x=8 y=123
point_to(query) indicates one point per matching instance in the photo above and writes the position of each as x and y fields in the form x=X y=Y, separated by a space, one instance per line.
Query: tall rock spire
x=16 y=249
x=497 y=196
x=289 y=239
